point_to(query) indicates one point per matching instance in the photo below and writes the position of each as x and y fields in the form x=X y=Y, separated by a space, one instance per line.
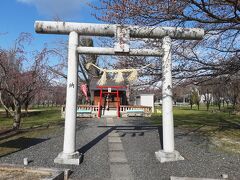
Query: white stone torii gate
x=121 y=47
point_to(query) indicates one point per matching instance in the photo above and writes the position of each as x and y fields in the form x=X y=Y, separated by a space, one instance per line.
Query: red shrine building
x=111 y=99
x=109 y=96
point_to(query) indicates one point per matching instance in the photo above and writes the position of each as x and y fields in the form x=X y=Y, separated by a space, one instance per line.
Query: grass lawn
x=38 y=122
x=222 y=128
x=40 y=116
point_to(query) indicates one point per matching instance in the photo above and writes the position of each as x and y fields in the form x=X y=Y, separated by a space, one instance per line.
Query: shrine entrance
x=110 y=99
x=122 y=35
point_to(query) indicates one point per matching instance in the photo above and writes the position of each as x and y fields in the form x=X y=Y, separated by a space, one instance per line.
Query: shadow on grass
x=23 y=114
x=31 y=113
x=12 y=132
x=6 y=131
x=21 y=143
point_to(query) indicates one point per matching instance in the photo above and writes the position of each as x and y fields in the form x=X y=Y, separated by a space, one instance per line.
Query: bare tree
x=195 y=97
x=219 y=92
x=207 y=94
x=88 y=74
x=233 y=90
x=21 y=78
x=217 y=54
x=85 y=75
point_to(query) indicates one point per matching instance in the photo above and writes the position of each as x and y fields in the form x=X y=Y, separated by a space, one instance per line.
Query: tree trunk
x=234 y=104
x=26 y=108
x=219 y=105
x=208 y=103
x=17 y=117
x=13 y=107
x=7 y=113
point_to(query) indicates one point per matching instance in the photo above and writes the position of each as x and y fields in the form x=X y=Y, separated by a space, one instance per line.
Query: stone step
x=109 y=113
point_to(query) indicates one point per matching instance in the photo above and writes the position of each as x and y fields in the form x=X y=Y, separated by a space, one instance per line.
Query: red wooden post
x=118 y=99
x=101 y=97
x=100 y=104
x=99 y=110
x=118 y=104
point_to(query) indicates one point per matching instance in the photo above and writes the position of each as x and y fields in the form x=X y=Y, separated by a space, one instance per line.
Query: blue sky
x=18 y=16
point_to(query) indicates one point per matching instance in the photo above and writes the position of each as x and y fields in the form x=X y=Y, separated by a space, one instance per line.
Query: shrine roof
x=110 y=83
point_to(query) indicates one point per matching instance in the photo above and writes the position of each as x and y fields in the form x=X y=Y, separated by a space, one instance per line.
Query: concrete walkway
x=125 y=149
x=119 y=166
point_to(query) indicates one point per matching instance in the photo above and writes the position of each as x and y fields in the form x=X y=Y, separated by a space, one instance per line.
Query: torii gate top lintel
x=92 y=29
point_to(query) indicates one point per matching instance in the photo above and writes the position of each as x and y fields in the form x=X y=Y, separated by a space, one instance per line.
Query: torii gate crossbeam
x=122 y=34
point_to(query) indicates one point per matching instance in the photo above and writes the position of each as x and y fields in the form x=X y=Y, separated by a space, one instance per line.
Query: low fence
x=135 y=110
x=124 y=109
x=92 y=108
x=146 y=109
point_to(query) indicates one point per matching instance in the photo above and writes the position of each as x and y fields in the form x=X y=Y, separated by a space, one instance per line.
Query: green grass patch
x=195 y=118
x=24 y=139
x=221 y=127
x=37 y=123
x=35 y=117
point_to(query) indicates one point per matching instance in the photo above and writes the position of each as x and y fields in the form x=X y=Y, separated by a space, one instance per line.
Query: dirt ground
x=6 y=174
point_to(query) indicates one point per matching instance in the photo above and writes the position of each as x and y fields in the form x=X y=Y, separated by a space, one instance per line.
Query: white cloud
x=54 y=8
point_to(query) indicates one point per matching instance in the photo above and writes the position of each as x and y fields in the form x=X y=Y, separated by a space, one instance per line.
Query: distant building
x=145 y=100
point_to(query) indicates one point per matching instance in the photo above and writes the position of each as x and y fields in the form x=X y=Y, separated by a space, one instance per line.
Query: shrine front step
x=110 y=113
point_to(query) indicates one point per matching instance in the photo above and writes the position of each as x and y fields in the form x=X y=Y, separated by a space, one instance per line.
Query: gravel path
x=200 y=159
x=139 y=147
x=95 y=164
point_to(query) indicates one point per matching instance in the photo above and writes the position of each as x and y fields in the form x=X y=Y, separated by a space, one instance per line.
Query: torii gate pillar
x=168 y=153
x=69 y=155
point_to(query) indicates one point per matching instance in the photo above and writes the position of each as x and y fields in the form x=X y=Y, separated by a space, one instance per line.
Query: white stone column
x=69 y=156
x=168 y=153
x=167 y=102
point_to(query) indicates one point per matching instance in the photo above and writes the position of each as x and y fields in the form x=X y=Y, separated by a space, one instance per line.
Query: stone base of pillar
x=168 y=156
x=63 y=158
